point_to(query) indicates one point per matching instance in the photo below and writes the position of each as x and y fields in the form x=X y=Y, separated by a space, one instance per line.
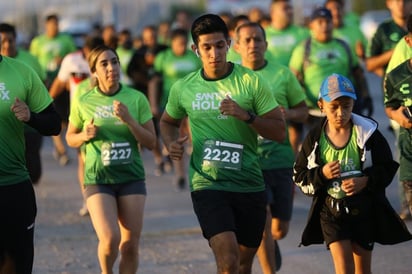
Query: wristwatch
x=252 y=118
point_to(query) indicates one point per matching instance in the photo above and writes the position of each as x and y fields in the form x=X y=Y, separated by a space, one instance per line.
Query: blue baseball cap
x=335 y=86
x=321 y=12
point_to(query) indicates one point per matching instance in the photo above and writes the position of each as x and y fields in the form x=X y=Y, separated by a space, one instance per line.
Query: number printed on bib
x=222 y=155
x=116 y=153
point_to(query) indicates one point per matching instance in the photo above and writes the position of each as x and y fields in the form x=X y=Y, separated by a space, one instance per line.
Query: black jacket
x=389 y=228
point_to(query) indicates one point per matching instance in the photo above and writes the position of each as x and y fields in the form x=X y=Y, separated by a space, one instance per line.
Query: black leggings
x=17 y=214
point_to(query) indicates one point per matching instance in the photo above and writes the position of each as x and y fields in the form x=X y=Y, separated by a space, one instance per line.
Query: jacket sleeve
x=383 y=167
x=307 y=171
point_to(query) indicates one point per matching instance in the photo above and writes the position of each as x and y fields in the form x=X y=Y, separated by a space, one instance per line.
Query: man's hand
x=229 y=107
x=21 y=110
x=176 y=148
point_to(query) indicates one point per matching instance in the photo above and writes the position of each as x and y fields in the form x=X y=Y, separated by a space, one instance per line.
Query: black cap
x=321 y=12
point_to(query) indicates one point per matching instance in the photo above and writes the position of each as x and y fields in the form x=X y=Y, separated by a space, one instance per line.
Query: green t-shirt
x=351 y=35
x=172 y=68
x=288 y=93
x=224 y=148
x=397 y=93
x=17 y=80
x=348 y=157
x=46 y=49
x=401 y=53
x=25 y=57
x=233 y=56
x=282 y=42
x=112 y=157
x=323 y=60
x=385 y=38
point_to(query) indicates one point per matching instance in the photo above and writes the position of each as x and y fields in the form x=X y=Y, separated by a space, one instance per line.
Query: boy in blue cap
x=350 y=211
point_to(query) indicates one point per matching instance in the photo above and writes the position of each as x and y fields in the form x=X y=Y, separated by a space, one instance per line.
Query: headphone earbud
x=197 y=53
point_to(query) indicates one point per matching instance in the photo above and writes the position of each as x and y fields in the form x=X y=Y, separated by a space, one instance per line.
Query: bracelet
x=252 y=118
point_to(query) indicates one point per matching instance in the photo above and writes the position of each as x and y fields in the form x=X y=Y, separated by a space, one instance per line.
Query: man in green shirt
x=169 y=66
x=50 y=48
x=349 y=33
x=276 y=158
x=282 y=35
x=321 y=55
x=388 y=33
x=24 y=100
x=33 y=139
x=227 y=106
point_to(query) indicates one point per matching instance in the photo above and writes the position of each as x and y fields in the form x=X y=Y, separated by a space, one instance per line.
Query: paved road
x=171 y=242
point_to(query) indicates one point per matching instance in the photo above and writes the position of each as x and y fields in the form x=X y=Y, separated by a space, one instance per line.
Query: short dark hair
x=207 y=24
x=93 y=41
x=179 y=32
x=4 y=27
x=52 y=17
x=253 y=25
x=235 y=20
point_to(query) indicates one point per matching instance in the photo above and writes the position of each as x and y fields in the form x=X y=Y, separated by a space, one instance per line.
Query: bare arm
x=376 y=63
x=298 y=113
x=57 y=88
x=144 y=134
x=76 y=137
x=271 y=125
x=153 y=94
x=399 y=116
x=169 y=129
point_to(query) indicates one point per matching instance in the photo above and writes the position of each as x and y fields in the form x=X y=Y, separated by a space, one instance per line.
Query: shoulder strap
x=306 y=53
x=347 y=49
x=308 y=48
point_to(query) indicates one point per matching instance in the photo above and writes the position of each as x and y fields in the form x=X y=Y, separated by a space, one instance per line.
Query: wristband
x=252 y=118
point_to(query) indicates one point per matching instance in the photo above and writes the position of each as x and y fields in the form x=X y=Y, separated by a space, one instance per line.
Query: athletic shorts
x=242 y=213
x=279 y=189
x=116 y=190
x=346 y=227
x=17 y=215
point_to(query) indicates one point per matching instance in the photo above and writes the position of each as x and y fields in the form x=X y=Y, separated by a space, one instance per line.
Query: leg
x=131 y=209
x=362 y=258
x=266 y=251
x=103 y=212
x=17 y=232
x=247 y=254
x=407 y=185
x=83 y=211
x=226 y=250
x=7 y=265
x=295 y=131
x=342 y=257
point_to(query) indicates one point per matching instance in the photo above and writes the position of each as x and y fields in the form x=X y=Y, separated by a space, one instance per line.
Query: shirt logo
x=4 y=93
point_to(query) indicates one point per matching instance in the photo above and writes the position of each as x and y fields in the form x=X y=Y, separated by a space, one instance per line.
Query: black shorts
x=242 y=213
x=116 y=190
x=346 y=226
x=279 y=189
x=17 y=215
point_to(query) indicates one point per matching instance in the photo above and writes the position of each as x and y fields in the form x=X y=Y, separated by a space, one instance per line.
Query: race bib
x=335 y=189
x=116 y=153
x=222 y=155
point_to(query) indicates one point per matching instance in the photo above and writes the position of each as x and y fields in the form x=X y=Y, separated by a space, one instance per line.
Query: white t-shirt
x=74 y=69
